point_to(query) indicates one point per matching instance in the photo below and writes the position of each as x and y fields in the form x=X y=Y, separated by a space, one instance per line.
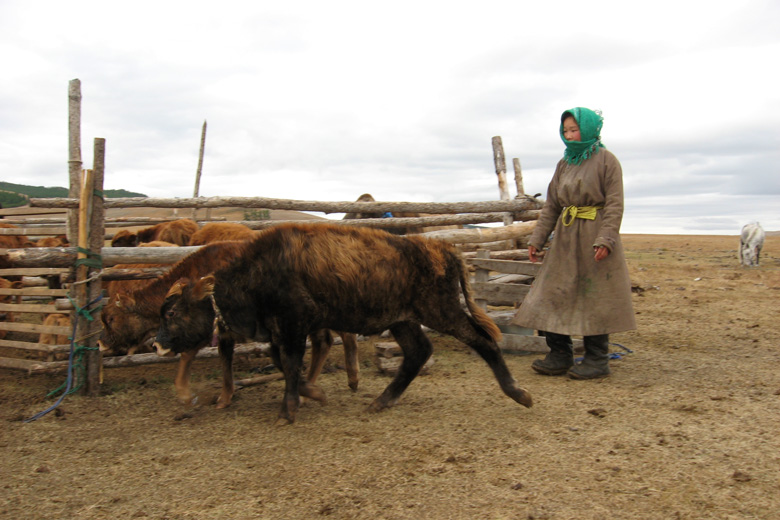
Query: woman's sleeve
x=612 y=215
x=550 y=212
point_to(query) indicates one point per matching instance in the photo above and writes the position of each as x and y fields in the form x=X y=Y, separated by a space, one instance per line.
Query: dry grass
x=686 y=427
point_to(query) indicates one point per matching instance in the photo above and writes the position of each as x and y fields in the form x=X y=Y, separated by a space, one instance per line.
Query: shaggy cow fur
x=294 y=279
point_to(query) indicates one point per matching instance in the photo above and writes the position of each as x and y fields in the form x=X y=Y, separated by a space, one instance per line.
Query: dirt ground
x=686 y=427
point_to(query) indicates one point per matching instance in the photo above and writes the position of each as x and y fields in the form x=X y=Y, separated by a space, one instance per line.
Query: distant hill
x=14 y=195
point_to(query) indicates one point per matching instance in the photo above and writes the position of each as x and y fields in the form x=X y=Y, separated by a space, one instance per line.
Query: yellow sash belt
x=572 y=212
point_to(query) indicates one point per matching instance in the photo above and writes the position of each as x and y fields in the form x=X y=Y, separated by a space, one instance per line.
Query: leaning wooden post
x=74 y=155
x=200 y=169
x=500 y=163
x=518 y=177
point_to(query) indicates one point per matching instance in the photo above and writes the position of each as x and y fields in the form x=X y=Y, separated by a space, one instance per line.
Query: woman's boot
x=596 y=361
x=559 y=359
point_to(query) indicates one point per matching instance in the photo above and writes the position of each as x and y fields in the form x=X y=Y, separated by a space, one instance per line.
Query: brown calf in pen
x=131 y=317
x=295 y=279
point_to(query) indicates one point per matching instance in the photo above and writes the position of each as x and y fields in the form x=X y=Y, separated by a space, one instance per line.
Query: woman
x=583 y=287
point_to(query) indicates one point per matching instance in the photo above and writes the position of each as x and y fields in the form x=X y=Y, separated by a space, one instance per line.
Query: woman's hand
x=601 y=253
x=532 y=254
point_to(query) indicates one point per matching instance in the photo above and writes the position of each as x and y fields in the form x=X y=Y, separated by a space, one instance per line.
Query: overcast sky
x=326 y=100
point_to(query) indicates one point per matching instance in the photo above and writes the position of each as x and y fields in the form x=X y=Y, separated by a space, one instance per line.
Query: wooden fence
x=498 y=254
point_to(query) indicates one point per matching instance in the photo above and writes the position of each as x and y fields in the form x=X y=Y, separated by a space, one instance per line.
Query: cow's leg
x=226 y=345
x=351 y=359
x=465 y=329
x=182 y=381
x=291 y=356
x=417 y=348
x=321 y=342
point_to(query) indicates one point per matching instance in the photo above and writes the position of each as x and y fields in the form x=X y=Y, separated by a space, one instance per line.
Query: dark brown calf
x=132 y=316
x=295 y=279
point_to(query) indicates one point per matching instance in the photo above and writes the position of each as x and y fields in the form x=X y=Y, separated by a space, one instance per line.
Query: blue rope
x=613 y=355
x=71 y=356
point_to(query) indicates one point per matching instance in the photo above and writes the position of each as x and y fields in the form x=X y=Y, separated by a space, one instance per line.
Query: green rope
x=87 y=313
x=79 y=370
x=93 y=260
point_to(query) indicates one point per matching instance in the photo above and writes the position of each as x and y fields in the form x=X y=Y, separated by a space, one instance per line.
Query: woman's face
x=571 y=130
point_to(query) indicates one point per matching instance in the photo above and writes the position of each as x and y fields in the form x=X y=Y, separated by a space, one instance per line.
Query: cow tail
x=480 y=316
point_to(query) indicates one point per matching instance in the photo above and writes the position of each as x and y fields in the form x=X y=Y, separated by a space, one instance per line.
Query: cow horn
x=177 y=288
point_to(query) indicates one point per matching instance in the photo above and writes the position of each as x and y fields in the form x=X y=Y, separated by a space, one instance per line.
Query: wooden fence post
x=96 y=240
x=74 y=155
x=500 y=163
x=200 y=169
x=518 y=177
x=482 y=276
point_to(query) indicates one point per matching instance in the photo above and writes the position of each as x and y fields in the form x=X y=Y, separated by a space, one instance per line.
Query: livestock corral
x=685 y=427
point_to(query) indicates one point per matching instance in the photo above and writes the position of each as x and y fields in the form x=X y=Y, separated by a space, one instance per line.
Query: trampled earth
x=686 y=427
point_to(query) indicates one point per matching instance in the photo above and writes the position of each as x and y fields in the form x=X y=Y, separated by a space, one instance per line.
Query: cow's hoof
x=188 y=400
x=283 y=421
x=376 y=406
x=313 y=392
x=523 y=397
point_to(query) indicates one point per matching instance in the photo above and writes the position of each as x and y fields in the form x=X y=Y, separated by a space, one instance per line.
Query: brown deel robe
x=573 y=294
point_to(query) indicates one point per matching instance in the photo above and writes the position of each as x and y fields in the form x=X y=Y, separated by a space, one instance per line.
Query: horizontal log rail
x=35 y=328
x=35 y=347
x=34 y=291
x=29 y=308
x=505 y=266
x=517 y=205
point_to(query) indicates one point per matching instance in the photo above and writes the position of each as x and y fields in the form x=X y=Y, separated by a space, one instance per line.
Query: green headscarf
x=590 y=124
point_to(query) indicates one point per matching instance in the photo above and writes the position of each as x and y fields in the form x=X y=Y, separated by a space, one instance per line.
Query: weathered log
x=35 y=347
x=396 y=222
x=33 y=231
x=27 y=210
x=512 y=254
x=30 y=308
x=149 y=358
x=66 y=256
x=505 y=266
x=33 y=271
x=521 y=243
x=477 y=235
x=517 y=205
x=499 y=293
x=34 y=328
x=33 y=291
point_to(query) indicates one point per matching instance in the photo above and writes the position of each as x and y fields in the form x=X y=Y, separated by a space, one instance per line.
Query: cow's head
x=126 y=325
x=124 y=238
x=186 y=316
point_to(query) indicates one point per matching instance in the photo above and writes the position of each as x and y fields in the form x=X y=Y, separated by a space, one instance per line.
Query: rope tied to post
x=75 y=361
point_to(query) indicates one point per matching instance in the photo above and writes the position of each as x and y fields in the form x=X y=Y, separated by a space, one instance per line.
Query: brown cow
x=176 y=232
x=55 y=320
x=294 y=279
x=114 y=287
x=216 y=231
x=5 y=298
x=132 y=317
x=58 y=241
x=13 y=241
